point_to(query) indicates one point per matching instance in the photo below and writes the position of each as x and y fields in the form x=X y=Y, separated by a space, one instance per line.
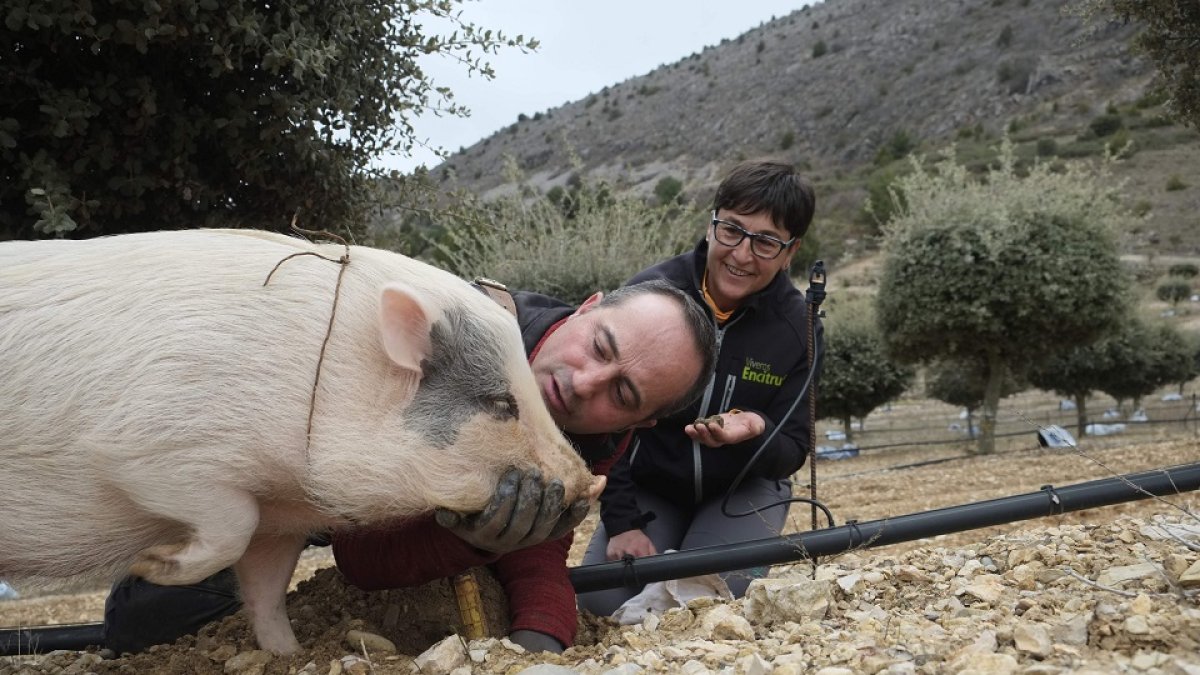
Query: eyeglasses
x=762 y=245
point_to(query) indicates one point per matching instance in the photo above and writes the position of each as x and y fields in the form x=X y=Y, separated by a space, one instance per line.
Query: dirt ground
x=874 y=485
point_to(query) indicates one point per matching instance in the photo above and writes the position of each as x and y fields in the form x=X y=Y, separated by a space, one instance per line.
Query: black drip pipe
x=1049 y=501
x=45 y=639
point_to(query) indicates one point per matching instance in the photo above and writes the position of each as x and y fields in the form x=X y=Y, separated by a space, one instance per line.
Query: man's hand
x=632 y=542
x=522 y=512
x=534 y=641
x=726 y=428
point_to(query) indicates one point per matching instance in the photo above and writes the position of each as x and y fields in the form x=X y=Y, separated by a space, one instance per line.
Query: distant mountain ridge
x=846 y=88
x=826 y=86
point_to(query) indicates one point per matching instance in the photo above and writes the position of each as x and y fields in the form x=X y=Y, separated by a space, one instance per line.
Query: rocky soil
x=1100 y=591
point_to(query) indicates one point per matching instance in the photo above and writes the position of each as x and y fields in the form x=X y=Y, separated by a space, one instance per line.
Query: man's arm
x=540 y=596
x=403 y=554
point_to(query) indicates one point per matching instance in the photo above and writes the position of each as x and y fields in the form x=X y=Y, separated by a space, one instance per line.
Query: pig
x=156 y=392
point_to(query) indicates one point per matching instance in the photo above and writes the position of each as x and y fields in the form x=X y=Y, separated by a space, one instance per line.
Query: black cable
x=817 y=351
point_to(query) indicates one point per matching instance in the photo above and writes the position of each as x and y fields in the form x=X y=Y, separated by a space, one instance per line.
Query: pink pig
x=155 y=399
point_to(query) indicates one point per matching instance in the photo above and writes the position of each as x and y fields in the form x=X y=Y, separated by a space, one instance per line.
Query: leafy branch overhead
x=1170 y=35
x=128 y=116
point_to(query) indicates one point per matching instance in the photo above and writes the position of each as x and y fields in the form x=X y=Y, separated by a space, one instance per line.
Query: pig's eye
x=502 y=407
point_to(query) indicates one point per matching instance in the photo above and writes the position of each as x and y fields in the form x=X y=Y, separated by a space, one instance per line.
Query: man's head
x=625 y=359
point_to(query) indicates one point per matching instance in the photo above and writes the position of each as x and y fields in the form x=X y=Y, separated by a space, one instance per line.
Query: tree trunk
x=970 y=423
x=991 y=402
x=1080 y=415
x=846 y=427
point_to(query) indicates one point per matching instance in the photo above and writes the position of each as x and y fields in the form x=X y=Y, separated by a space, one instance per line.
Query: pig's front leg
x=222 y=520
x=263 y=574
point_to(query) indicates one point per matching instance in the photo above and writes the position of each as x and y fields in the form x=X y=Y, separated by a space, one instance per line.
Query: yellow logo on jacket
x=760 y=372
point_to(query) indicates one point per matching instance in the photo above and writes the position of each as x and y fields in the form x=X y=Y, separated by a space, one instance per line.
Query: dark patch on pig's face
x=463 y=377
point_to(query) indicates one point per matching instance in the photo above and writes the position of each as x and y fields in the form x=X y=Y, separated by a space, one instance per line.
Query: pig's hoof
x=161 y=565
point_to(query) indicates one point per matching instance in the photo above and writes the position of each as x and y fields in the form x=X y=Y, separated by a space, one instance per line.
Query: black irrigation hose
x=634 y=572
x=44 y=639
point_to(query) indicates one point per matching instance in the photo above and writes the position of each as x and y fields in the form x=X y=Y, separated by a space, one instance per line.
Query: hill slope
x=830 y=85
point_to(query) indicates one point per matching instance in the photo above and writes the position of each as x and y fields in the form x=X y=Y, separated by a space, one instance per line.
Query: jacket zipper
x=697 y=465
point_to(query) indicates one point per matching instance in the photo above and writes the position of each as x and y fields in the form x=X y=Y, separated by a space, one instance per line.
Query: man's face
x=610 y=368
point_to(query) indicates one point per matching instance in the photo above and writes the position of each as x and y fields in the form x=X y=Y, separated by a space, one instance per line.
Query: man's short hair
x=700 y=328
x=759 y=185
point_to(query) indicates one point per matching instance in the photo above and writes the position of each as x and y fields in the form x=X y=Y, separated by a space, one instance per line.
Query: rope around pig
x=343 y=263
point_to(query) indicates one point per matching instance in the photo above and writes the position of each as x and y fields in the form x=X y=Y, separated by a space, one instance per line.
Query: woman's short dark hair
x=772 y=186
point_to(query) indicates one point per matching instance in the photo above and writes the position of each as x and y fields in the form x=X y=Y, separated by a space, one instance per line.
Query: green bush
x=819 y=49
x=787 y=140
x=900 y=145
x=590 y=240
x=668 y=190
x=1173 y=291
x=1183 y=270
x=1014 y=73
x=1105 y=125
x=1047 y=147
x=1175 y=183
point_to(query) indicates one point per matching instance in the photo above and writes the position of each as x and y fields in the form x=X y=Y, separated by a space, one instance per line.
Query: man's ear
x=589 y=304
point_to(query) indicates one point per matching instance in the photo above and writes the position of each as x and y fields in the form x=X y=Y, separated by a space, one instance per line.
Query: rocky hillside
x=843 y=88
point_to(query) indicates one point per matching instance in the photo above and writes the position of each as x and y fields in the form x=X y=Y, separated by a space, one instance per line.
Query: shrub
x=591 y=240
x=1047 y=147
x=787 y=140
x=1183 y=270
x=897 y=147
x=1175 y=183
x=820 y=49
x=1173 y=291
x=1105 y=125
x=1014 y=74
x=668 y=189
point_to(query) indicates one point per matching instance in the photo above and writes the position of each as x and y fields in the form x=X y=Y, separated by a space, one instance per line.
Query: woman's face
x=735 y=272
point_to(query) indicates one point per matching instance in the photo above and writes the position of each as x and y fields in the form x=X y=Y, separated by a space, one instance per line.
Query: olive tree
x=1129 y=362
x=1078 y=371
x=1000 y=269
x=130 y=115
x=857 y=376
x=962 y=383
x=1143 y=357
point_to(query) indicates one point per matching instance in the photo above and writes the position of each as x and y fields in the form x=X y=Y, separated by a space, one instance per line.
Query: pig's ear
x=405 y=324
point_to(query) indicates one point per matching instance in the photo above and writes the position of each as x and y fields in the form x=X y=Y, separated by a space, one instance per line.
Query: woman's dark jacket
x=761 y=366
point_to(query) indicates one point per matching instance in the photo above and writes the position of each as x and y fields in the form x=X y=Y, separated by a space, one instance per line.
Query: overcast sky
x=585 y=46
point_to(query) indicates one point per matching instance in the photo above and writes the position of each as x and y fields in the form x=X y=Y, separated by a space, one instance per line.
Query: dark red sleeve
x=540 y=596
x=403 y=554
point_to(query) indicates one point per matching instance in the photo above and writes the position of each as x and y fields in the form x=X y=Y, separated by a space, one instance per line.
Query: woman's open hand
x=734 y=426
